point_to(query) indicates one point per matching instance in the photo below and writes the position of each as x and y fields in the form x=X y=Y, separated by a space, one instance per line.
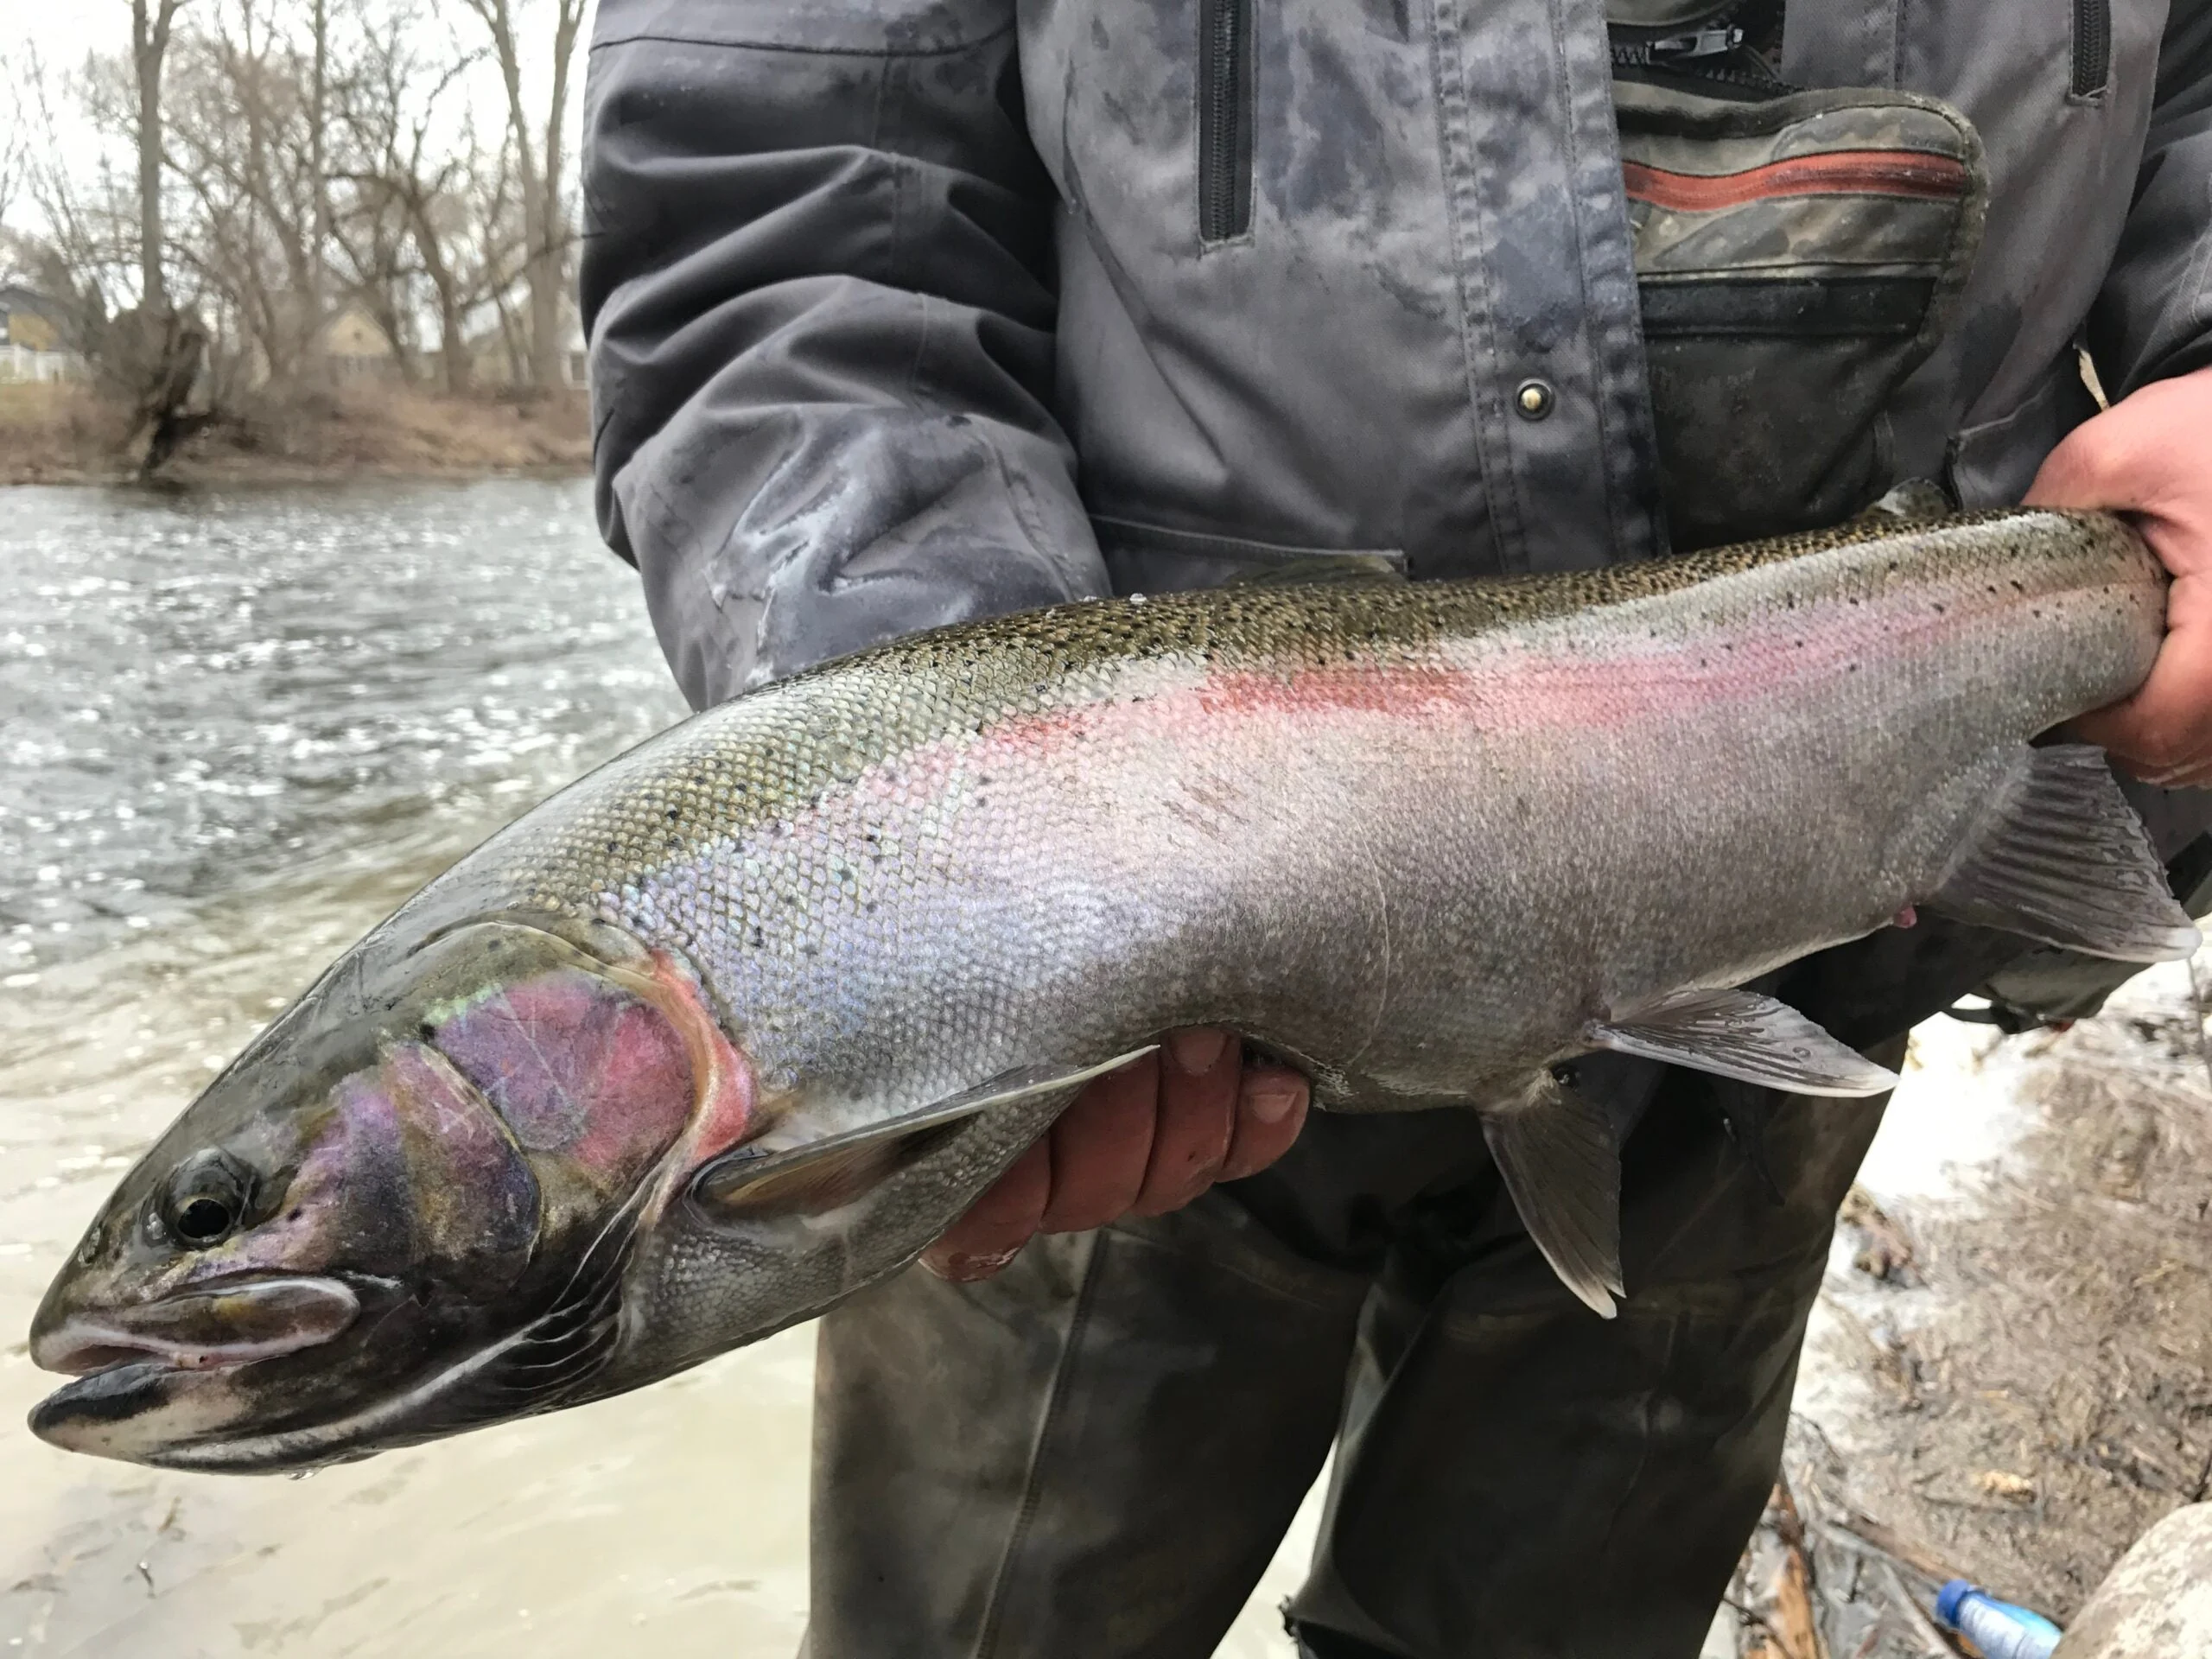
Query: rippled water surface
x=202 y=694
x=234 y=731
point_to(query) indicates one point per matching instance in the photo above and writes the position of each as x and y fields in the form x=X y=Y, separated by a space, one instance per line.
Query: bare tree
x=242 y=140
x=151 y=27
x=89 y=248
x=312 y=298
x=468 y=236
x=264 y=164
x=408 y=176
x=15 y=153
x=541 y=167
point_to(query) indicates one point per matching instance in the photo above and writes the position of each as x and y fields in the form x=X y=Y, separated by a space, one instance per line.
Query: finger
x=1270 y=1111
x=1101 y=1148
x=997 y=1224
x=1197 y=1114
x=2164 y=732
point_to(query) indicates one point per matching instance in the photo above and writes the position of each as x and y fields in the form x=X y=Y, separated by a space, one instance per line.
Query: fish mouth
x=147 y=1395
x=150 y=1376
x=211 y=1329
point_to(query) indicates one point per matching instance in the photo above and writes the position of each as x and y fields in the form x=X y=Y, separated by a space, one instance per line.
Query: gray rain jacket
x=907 y=311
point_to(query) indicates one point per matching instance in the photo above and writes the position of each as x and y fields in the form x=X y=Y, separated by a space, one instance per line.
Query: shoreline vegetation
x=69 y=434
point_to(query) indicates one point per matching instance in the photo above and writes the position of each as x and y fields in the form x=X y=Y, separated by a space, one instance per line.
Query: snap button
x=1533 y=400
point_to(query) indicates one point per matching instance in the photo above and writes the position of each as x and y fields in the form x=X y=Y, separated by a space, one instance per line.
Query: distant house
x=356 y=348
x=34 y=338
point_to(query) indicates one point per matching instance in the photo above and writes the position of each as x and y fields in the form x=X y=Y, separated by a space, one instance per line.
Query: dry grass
x=63 y=435
x=58 y=435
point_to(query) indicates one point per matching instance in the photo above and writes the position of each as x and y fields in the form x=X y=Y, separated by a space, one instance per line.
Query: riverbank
x=68 y=434
x=2009 y=1377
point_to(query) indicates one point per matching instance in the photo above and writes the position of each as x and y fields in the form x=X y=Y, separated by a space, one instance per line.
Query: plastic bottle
x=1998 y=1628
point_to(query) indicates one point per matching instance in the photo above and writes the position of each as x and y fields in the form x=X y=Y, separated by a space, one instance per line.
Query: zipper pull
x=1700 y=43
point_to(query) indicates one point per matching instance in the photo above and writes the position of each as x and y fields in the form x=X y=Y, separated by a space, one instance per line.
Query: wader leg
x=1520 y=1479
x=1092 y=1456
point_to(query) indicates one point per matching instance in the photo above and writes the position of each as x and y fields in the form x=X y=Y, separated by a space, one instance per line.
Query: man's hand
x=2150 y=455
x=1142 y=1140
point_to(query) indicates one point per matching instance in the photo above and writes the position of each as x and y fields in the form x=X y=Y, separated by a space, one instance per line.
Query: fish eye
x=205 y=1199
x=204 y=1219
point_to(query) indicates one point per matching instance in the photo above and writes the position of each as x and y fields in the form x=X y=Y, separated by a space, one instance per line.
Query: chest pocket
x=1796 y=256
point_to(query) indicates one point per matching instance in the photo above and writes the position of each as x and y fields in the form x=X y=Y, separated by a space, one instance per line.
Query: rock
x=2157 y=1604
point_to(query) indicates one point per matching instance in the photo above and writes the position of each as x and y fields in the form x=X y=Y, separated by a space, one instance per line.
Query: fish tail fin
x=1557 y=1154
x=2059 y=856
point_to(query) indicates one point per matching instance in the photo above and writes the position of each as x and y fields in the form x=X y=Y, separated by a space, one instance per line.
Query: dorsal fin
x=1329 y=569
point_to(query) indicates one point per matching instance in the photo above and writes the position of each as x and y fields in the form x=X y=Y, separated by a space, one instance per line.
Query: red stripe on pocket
x=1838 y=173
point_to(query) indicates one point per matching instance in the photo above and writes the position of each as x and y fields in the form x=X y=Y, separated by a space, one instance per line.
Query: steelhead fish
x=738 y=1024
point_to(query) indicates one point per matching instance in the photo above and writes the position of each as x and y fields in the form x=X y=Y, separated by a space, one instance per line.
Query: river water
x=235 y=730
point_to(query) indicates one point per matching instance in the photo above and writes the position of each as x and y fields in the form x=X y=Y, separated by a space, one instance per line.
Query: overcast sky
x=63 y=31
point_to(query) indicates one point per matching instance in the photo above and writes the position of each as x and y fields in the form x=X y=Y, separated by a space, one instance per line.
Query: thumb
x=2143 y=454
x=2099 y=464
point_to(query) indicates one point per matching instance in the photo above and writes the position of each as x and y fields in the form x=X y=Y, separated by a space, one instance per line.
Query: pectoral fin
x=1743 y=1035
x=2059 y=856
x=1556 y=1153
x=826 y=1173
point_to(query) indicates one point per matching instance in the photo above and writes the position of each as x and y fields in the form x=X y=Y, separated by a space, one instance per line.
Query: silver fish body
x=1425 y=841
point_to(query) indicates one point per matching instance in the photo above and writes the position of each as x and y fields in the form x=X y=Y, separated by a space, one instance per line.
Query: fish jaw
x=139 y=1411
x=156 y=1376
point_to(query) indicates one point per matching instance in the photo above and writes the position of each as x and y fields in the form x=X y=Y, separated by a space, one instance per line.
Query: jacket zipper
x=1668 y=49
x=1224 y=119
x=1838 y=173
x=2092 y=47
x=1717 y=54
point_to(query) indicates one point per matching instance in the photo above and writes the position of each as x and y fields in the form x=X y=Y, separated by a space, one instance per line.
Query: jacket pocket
x=1796 y=258
x=1225 y=118
x=1991 y=463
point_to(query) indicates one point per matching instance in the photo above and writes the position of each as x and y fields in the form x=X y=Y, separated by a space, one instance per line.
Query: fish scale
x=1427 y=842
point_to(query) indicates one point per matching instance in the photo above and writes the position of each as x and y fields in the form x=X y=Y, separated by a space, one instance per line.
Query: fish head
x=404 y=1209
